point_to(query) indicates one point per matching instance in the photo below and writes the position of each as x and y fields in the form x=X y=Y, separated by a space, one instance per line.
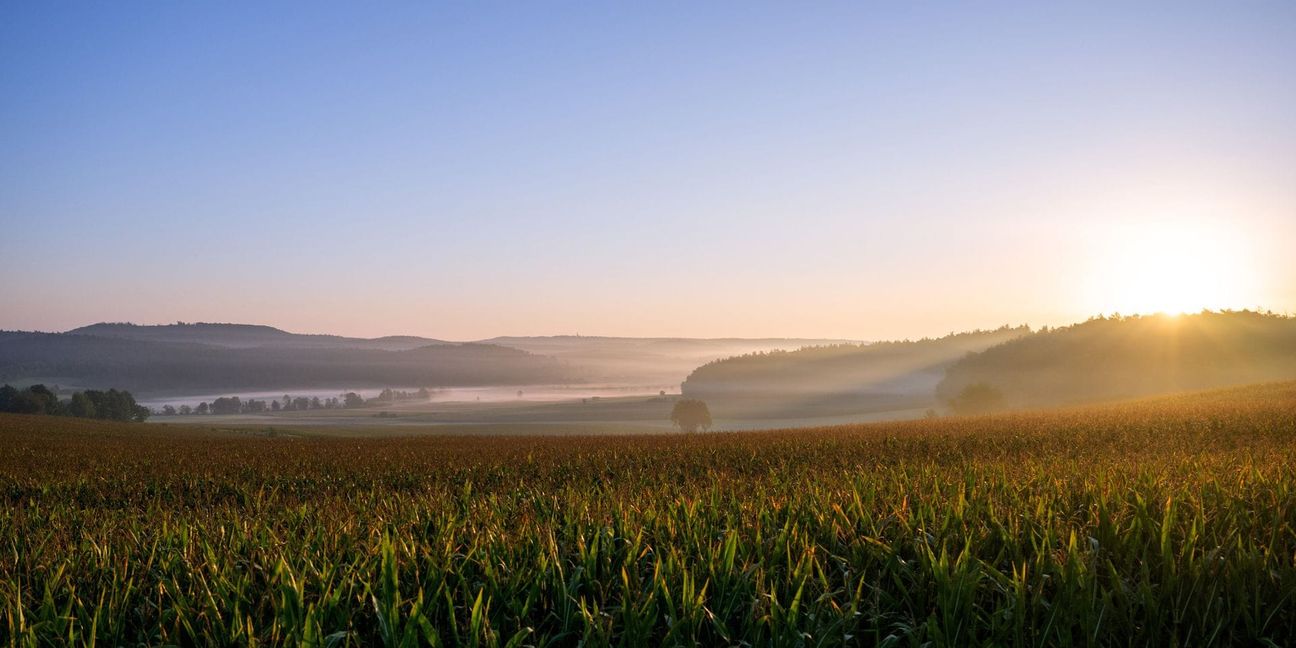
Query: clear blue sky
x=474 y=169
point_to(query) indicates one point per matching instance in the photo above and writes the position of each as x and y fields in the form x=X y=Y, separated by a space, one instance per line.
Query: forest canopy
x=1120 y=357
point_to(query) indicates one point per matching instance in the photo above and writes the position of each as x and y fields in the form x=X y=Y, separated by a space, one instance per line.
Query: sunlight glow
x=1172 y=267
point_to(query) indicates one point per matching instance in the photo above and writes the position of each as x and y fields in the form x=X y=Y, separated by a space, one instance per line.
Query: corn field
x=1168 y=522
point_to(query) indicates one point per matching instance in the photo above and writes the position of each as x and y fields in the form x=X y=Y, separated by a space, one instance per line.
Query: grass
x=1160 y=522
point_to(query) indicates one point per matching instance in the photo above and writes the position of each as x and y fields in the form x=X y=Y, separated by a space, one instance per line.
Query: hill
x=149 y=367
x=1120 y=357
x=836 y=379
x=246 y=336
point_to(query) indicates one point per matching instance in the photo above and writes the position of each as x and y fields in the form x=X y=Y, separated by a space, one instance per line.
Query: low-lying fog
x=487 y=394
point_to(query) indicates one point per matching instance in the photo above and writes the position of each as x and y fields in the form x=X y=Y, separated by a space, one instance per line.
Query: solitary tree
x=691 y=414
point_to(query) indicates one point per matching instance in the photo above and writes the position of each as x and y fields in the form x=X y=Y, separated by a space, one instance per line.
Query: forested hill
x=838 y=376
x=246 y=336
x=1120 y=357
x=87 y=361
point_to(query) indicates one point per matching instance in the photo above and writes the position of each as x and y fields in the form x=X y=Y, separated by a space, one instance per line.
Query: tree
x=202 y=408
x=227 y=405
x=185 y=410
x=81 y=406
x=691 y=414
x=352 y=399
x=168 y=410
x=977 y=398
x=111 y=405
x=37 y=399
x=46 y=400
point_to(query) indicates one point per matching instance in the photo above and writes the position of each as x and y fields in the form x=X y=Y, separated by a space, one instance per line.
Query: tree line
x=236 y=405
x=110 y=405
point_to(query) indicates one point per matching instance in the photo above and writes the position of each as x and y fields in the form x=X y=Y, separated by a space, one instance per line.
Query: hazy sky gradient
x=699 y=169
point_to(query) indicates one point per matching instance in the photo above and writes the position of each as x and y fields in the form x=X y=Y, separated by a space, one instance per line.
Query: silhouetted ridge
x=155 y=367
x=245 y=335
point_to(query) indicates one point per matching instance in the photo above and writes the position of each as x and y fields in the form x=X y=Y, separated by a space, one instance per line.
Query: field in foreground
x=1162 y=522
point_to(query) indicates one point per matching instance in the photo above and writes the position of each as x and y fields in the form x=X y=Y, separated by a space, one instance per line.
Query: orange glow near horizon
x=1170 y=267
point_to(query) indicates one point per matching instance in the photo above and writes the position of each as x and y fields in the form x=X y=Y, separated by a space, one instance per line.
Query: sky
x=466 y=170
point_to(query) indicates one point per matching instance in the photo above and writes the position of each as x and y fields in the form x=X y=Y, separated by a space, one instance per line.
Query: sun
x=1170 y=267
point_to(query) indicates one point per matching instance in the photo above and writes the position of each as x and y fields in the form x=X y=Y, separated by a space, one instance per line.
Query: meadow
x=1168 y=521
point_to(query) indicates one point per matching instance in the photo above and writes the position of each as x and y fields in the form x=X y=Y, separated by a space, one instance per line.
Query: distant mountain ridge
x=206 y=356
x=236 y=335
x=147 y=366
x=246 y=336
